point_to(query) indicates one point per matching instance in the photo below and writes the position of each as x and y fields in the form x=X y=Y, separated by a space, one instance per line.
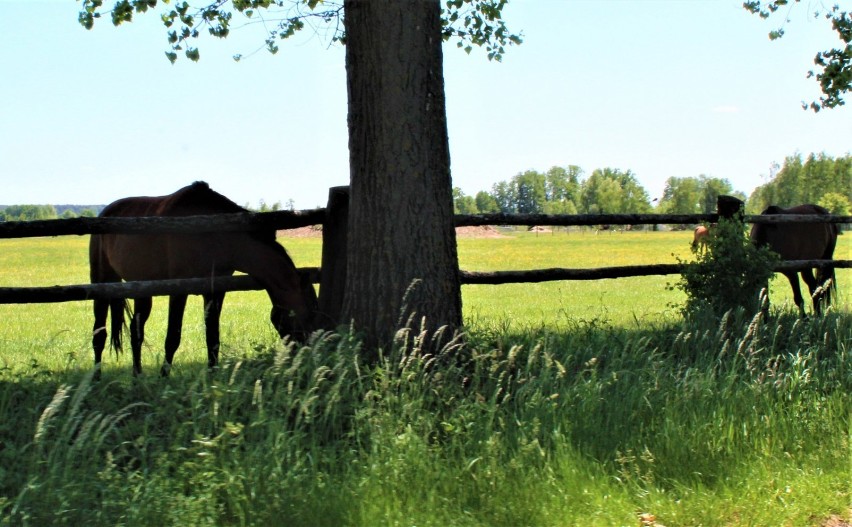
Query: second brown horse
x=116 y=257
x=802 y=241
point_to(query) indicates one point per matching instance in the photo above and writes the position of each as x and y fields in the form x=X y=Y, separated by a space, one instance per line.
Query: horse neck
x=269 y=264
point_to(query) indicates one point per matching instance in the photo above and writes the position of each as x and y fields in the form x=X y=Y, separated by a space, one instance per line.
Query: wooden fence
x=545 y=275
x=332 y=221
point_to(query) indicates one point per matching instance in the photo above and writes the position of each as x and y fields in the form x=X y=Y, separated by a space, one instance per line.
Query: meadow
x=568 y=403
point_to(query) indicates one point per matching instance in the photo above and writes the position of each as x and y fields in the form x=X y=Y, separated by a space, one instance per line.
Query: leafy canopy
x=473 y=22
x=835 y=79
x=806 y=180
x=694 y=195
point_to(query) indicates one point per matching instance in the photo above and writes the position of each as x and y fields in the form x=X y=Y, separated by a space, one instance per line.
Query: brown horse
x=700 y=237
x=802 y=241
x=116 y=257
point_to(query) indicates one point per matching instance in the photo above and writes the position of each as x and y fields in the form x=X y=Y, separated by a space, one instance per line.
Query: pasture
x=578 y=403
x=58 y=335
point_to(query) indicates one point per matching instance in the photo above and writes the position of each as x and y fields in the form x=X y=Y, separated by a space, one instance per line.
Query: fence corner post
x=334 y=245
x=730 y=208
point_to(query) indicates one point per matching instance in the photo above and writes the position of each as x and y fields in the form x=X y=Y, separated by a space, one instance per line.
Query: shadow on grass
x=283 y=432
x=684 y=403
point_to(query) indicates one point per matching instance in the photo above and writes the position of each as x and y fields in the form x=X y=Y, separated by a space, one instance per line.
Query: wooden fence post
x=335 y=231
x=730 y=207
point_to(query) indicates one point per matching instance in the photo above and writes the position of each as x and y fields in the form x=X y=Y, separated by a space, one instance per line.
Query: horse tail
x=117 y=307
x=100 y=271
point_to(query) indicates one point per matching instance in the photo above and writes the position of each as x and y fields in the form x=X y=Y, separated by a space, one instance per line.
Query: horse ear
x=773 y=209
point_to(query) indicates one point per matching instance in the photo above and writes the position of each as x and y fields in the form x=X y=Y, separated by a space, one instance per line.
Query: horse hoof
x=165 y=370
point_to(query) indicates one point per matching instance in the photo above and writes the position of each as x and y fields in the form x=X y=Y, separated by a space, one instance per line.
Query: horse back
x=797 y=241
x=162 y=256
x=193 y=200
x=196 y=199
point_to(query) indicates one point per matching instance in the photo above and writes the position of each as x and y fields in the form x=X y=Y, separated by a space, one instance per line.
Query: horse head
x=297 y=322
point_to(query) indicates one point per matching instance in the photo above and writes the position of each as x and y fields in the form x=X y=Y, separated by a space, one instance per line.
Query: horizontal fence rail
x=560 y=220
x=189 y=286
x=243 y=221
x=286 y=219
x=555 y=274
x=198 y=286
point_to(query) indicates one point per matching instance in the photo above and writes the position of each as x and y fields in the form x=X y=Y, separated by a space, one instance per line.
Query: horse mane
x=198 y=198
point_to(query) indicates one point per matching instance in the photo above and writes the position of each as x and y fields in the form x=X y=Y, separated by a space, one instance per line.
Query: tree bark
x=402 y=248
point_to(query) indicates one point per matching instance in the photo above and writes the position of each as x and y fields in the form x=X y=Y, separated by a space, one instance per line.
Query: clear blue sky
x=675 y=88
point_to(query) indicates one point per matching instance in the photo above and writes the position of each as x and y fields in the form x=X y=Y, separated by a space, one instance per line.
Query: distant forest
x=817 y=178
x=47 y=212
x=52 y=212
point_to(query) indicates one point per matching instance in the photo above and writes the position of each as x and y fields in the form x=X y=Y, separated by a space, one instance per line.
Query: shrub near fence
x=333 y=250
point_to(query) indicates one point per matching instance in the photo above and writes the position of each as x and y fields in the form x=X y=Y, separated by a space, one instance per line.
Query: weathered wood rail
x=304 y=218
x=555 y=274
x=190 y=286
x=197 y=286
x=567 y=220
x=158 y=224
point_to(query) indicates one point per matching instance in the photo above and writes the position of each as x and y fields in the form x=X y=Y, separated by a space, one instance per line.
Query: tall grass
x=740 y=423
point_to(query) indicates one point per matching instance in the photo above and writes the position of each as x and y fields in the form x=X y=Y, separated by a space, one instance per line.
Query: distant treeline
x=46 y=212
x=52 y=212
x=819 y=179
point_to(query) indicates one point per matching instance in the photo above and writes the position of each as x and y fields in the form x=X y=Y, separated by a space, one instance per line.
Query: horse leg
x=797 y=291
x=99 y=332
x=141 y=311
x=212 y=311
x=824 y=284
x=816 y=295
x=177 y=305
x=825 y=275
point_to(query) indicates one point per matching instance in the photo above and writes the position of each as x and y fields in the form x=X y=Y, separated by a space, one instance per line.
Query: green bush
x=730 y=273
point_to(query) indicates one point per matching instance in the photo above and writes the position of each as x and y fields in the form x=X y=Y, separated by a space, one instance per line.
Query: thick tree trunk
x=402 y=248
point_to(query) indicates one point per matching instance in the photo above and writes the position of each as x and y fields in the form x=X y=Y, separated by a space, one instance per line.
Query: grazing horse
x=801 y=241
x=700 y=237
x=116 y=257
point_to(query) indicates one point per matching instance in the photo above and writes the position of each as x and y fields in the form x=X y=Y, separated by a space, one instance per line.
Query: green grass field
x=570 y=403
x=60 y=333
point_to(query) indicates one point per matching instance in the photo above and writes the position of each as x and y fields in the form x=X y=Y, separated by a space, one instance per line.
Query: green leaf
x=122 y=12
x=87 y=20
